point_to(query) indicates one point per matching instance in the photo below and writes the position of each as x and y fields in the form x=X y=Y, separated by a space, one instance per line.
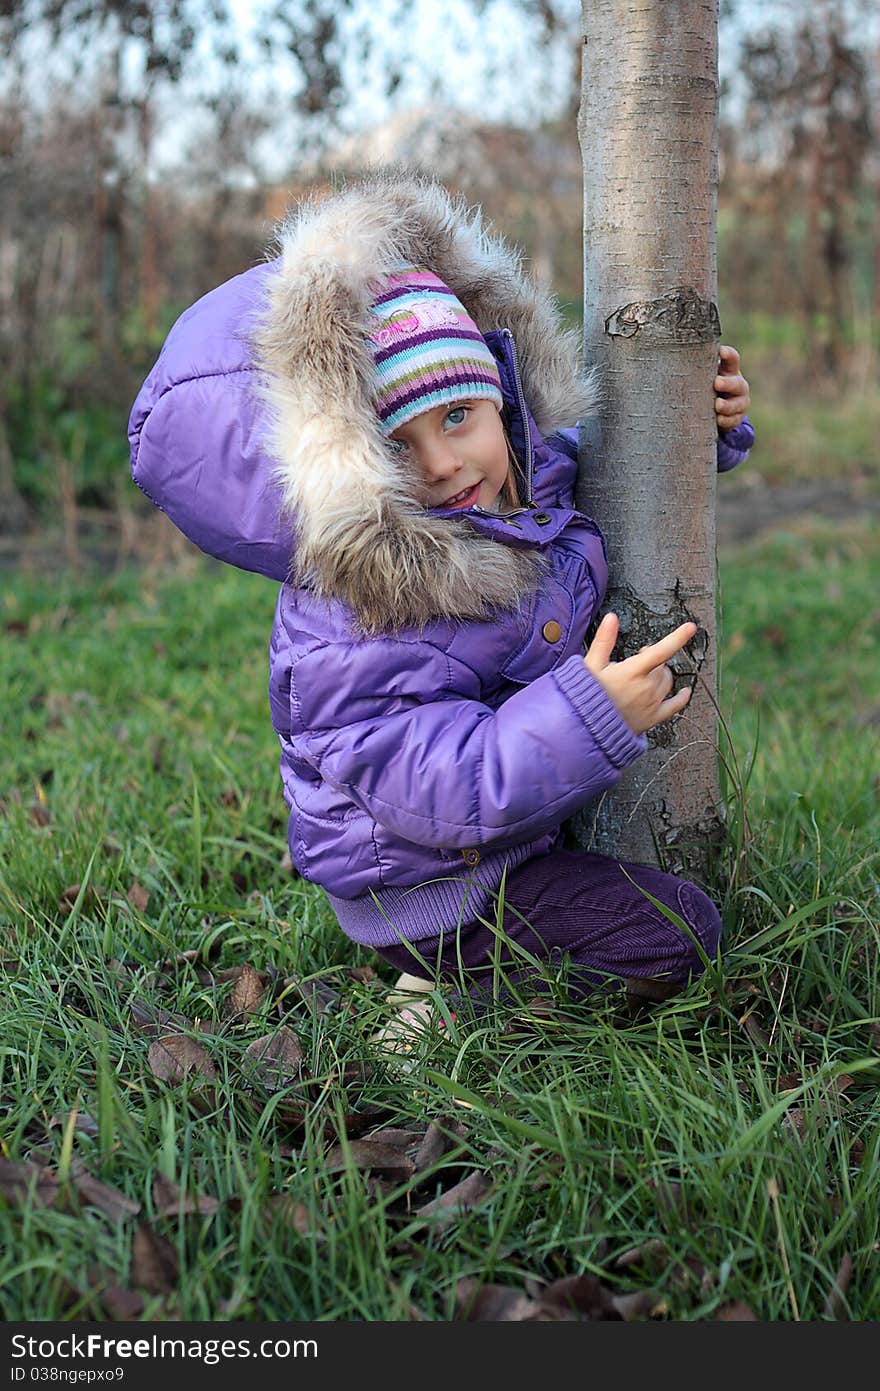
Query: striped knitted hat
x=427 y=349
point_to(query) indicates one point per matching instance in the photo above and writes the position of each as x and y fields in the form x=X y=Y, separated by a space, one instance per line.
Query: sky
x=444 y=40
x=439 y=40
x=529 y=89
x=447 y=41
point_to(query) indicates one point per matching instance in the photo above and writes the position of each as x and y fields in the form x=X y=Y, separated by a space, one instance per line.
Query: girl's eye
x=460 y=411
x=397 y=446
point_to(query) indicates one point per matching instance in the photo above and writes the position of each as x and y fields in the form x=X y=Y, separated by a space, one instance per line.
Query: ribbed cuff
x=599 y=713
x=734 y=445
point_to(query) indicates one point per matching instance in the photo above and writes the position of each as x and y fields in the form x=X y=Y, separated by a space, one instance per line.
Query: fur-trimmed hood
x=360 y=535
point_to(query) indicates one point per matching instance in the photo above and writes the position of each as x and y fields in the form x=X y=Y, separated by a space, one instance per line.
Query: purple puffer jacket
x=427 y=683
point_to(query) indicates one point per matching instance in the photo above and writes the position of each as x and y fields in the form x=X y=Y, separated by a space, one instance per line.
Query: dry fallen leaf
x=835 y=1300
x=440 y=1137
x=121 y=1304
x=290 y=1115
x=476 y=1303
x=95 y=1193
x=82 y=1123
x=403 y=1140
x=692 y=1271
x=641 y=1304
x=69 y=896
x=282 y=1208
x=356 y=1072
x=795 y=1122
x=138 y=897
x=372 y=1154
x=752 y=1026
x=152 y=1019
x=645 y=988
x=355 y=1123
x=788 y=1081
x=775 y=635
x=460 y=1198
x=580 y=1293
x=154 y=1264
x=669 y=1197
x=173 y=1056
x=551 y=1166
x=317 y=996
x=364 y=974
x=736 y=1312
x=644 y=1254
x=274 y=1059
x=19 y=1178
x=573 y=1297
x=227 y=973
x=169 y=1200
x=247 y=993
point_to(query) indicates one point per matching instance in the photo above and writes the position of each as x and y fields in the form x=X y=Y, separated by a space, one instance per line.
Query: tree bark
x=648 y=131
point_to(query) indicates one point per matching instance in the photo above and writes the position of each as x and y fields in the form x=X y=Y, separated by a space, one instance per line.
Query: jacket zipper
x=522 y=413
x=521 y=402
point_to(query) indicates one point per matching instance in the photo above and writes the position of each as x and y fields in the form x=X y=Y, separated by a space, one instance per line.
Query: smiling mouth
x=461 y=497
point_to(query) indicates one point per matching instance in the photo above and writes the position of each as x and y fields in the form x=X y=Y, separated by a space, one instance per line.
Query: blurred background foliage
x=147 y=148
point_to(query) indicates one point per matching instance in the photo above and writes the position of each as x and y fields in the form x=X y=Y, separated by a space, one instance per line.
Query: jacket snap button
x=471 y=857
x=541 y=518
x=552 y=631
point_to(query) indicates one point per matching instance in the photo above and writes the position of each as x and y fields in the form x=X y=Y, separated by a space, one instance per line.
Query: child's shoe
x=398 y=1037
x=406 y=986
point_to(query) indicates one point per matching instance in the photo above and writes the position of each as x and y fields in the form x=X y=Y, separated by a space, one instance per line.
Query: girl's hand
x=731 y=390
x=639 y=686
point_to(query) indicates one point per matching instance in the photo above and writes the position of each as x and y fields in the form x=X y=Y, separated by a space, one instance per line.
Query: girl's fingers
x=600 y=649
x=665 y=679
x=657 y=652
x=726 y=420
x=673 y=705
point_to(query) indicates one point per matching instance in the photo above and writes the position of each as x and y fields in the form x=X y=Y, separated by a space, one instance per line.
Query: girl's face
x=459 y=451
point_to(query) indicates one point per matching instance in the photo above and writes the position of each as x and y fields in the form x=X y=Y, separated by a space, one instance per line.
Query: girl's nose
x=440 y=461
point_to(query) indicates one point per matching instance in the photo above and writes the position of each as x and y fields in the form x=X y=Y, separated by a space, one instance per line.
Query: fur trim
x=360 y=535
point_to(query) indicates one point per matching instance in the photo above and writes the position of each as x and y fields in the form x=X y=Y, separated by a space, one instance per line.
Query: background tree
x=808 y=133
x=647 y=127
x=146 y=148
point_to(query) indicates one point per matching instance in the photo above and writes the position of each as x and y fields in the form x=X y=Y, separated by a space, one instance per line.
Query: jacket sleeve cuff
x=734 y=445
x=599 y=713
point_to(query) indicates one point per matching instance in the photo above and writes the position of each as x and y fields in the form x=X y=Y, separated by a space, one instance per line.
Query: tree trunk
x=13 y=510
x=648 y=131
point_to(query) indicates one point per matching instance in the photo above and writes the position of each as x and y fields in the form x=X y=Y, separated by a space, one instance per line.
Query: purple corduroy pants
x=583 y=906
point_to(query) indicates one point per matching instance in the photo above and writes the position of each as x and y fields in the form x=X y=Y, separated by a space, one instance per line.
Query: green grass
x=135 y=718
x=807 y=429
x=826 y=438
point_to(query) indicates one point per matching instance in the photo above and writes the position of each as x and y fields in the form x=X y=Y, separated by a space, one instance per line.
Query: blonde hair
x=509 y=495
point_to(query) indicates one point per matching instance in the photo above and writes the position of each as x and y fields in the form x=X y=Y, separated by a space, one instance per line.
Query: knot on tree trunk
x=682 y=316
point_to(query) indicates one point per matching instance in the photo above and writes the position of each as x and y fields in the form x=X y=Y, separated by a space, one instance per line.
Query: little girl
x=374 y=419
